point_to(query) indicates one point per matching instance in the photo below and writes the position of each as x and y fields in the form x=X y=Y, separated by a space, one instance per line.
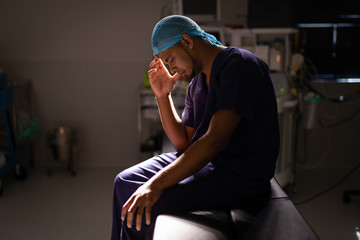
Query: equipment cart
x=8 y=148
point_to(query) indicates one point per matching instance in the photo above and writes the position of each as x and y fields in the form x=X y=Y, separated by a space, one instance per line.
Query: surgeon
x=226 y=141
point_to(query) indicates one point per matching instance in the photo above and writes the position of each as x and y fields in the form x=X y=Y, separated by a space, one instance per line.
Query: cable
x=297 y=116
x=330 y=188
x=342 y=121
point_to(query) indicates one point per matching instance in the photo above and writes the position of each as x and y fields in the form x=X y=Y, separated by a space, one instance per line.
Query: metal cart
x=7 y=139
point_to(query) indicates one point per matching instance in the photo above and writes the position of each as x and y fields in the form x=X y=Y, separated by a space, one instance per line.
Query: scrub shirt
x=241 y=82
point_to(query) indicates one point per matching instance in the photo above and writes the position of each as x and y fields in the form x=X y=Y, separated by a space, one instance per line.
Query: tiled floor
x=65 y=207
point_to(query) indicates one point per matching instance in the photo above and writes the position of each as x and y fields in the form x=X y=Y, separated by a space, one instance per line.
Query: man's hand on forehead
x=161 y=81
x=160 y=63
x=157 y=57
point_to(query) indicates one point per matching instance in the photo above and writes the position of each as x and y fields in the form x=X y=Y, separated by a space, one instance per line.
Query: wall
x=85 y=59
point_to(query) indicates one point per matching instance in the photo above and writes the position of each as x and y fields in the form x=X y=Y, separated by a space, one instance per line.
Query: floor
x=66 y=207
x=328 y=215
x=59 y=207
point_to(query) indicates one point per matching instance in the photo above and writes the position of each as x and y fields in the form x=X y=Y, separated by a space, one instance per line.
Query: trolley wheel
x=73 y=173
x=1 y=187
x=49 y=172
x=20 y=173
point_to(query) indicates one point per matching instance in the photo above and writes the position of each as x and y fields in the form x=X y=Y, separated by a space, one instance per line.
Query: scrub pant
x=208 y=188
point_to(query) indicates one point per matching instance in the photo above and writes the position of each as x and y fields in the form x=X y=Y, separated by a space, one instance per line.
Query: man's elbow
x=215 y=145
x=181 y=147
x=219 y=146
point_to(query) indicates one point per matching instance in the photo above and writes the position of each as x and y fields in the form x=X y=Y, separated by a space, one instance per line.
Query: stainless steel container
x=61 y=143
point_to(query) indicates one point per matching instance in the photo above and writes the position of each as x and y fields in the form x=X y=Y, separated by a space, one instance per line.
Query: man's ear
x=187 y=41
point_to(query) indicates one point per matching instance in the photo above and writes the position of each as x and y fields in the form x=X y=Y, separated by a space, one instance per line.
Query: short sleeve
x=187 y=117
x=239 y=86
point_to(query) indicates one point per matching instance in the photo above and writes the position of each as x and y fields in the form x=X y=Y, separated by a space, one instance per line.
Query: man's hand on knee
x=141 y=201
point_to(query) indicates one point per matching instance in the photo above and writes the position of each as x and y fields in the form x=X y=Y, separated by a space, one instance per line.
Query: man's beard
x=194 y=64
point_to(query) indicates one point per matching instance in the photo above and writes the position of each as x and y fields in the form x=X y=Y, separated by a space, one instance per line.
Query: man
x=227 y=140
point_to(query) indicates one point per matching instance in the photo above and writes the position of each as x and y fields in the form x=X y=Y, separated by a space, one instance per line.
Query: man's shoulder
x=236 y=57
x=231 y=54
x=240 y=53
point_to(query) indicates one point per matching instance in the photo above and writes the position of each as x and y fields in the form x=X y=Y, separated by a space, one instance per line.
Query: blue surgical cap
x=168 y=31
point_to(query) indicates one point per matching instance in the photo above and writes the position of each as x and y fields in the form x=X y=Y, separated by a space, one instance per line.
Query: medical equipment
x=218 y=32
x=200 y=11
x=312 y=105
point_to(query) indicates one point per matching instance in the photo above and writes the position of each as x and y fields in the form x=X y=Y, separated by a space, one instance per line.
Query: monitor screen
x=348 y=51
x=332 y=49
x=201 y=11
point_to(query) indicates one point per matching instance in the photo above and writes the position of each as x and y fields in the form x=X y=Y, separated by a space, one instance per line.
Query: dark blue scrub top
x=239 y=81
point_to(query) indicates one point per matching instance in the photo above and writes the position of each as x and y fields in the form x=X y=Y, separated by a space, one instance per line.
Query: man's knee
x=123 y=180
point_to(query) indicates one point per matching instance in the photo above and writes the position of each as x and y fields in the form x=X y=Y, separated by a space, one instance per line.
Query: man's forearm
x=172 y=125
x=202 y=151
x=192 y=160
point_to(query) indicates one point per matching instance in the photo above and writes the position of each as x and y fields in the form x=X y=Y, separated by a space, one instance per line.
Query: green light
x=282 y=90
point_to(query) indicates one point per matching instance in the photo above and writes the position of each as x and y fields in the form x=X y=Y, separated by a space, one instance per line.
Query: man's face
x=179 y=60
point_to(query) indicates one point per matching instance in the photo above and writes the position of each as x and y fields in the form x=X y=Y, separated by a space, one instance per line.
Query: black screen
x=191 y=7
x=333 y=49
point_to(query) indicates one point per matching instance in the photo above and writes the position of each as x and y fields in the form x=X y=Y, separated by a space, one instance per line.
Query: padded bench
x=274 y=217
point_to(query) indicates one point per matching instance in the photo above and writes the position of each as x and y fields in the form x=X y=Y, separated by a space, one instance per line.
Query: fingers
x=130 y=214
x=161 y=63
x=125 y=209
x=148 y=215
x=129 y=210
x=156 y=63
x=152 y=71
x=139 y=215
x=153 y=63
x=176 y=77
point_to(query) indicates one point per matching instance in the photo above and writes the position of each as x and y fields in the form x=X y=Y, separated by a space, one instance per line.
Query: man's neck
x=210 y=53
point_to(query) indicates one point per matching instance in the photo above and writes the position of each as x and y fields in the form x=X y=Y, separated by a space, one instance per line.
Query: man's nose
x=172 y=69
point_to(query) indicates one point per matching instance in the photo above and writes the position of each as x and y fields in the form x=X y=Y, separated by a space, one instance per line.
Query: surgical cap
x=168 y=31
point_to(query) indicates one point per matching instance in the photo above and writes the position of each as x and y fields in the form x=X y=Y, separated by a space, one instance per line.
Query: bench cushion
x=274 y=217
